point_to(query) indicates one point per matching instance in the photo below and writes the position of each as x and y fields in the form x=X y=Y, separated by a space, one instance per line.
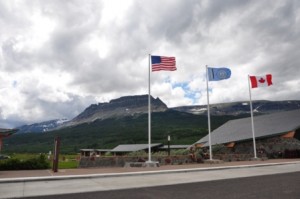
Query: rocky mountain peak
x=137 y=100
x=123 y=106
x=136 y=105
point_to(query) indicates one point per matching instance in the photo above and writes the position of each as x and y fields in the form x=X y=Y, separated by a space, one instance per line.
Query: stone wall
x=275 y=147
x=238 y=157
x=119 y=161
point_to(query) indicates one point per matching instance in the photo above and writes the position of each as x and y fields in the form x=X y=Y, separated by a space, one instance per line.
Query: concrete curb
x=109 y=175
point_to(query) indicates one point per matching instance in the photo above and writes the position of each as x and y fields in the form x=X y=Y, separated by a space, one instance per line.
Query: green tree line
x=184 y=128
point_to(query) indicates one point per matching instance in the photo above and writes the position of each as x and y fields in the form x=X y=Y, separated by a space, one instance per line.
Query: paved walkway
x=24 y=174
x=14 y=184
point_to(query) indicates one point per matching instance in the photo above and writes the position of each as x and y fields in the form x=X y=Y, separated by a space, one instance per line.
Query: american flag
x=163 y=63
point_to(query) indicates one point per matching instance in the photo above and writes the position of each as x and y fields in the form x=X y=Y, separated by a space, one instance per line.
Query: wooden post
x=1 y=143
x=56 y=154
x=169 y=139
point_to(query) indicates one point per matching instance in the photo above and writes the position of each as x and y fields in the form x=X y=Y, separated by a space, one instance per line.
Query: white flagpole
x=208 y=116
x=252 y=121
x=149 y=111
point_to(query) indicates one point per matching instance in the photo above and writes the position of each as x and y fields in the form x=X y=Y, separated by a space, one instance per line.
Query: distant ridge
x=138 y=104
x=238 y=108
x=41 y=127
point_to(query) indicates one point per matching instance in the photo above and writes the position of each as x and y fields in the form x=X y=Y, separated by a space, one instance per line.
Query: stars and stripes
x=163 y=63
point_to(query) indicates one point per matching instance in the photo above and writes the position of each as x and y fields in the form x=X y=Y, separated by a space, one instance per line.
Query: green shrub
x=67 y=164
x=33 y=163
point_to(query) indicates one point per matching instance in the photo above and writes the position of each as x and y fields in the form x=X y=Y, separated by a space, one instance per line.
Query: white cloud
x=58 y=57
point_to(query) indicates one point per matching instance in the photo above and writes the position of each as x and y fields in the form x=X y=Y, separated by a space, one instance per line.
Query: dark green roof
x=175 y=147
x=134 y=147
x=264 y=125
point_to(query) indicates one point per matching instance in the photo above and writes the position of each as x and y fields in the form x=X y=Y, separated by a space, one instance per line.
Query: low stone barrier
x=141 y=164
x=238 y=157
x=120 y=161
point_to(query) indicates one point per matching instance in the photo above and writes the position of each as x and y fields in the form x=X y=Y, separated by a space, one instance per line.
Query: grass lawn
x=65 y=161
x=67 y=164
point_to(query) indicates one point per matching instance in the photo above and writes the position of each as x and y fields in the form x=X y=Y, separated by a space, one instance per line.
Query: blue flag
x=217 y=74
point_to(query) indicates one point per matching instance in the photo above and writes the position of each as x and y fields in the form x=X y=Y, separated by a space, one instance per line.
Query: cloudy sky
x=58 y=57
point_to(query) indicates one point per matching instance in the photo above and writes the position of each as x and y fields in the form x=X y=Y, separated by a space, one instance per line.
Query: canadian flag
x=261 y=81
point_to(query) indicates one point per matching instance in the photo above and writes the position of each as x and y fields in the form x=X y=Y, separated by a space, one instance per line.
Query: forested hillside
x=184 y=128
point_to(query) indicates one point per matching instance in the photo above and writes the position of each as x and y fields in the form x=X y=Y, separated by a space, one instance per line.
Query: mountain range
x=243 y=107
x=135 y=106
x=125 y=121
x=42 y=126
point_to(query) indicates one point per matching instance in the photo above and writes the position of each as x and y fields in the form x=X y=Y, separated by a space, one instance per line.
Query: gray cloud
x=66 y=55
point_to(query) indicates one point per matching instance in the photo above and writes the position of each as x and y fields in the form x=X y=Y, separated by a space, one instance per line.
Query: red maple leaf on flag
x=262 y=80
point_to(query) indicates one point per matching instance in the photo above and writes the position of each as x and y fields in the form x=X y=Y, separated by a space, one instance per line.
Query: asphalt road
x=277 y=186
